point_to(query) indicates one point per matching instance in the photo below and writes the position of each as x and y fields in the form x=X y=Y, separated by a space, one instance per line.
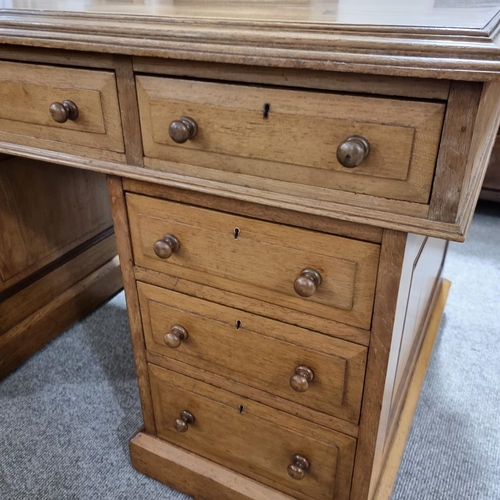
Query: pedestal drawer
x=371 y=145
x=316 y=273
x=251 y=438
x=319 y=372
x=66 y=106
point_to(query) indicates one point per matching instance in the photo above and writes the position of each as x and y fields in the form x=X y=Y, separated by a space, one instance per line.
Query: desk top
x=455 y=14
x=443 y=38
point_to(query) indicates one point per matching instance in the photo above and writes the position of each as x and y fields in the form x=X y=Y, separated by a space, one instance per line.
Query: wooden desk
x=284 y=178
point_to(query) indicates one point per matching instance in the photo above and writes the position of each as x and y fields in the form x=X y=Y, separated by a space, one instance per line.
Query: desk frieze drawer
x=298 y=365
x=290 y=454
x=60 y=108
x=319 y=274
x=371 y=145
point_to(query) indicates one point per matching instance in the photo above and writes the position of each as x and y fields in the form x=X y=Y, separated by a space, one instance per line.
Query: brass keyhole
x=238 y=325
x=240 y=409
x=236 y=233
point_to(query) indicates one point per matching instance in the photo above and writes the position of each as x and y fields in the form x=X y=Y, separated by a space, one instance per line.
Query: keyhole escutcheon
x=266 y=111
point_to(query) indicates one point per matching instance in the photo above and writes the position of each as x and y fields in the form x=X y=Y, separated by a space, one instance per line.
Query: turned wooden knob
x=61 y=112
x=182 y=130
x=167 y=246
x=300 y=381
x=353 y=151
x=175 y=336
x=307 y=283
x=182 y=423
x=297 y=469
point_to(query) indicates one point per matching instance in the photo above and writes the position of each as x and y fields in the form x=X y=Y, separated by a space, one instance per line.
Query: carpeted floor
x=67 y=414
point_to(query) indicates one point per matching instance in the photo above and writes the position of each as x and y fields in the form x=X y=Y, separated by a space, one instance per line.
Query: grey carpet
x=67 y=414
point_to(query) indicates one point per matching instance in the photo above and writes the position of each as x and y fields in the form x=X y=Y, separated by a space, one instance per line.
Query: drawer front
x=265 y=354
x=258 y=259
x=251 y=438
x=294 y=136
x=27 y=92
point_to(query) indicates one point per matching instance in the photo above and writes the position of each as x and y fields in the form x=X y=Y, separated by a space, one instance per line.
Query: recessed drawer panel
x=65 y=105
x=319 y=372
x=309 y=138
x=316 y=273
x=251 y=438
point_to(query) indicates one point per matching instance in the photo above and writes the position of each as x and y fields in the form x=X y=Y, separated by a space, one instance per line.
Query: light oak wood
x=257 y=211
x=483 y=140
x=264 y=102
x=298 y=141
x=18 y=53
x=420 y=284
x=45 y=211
x=454 y=150
x=128 y=109
x=119 y=211
x=250 y=438
x=255 y=306
x=427 y=16
x=423 y=40
x=425 y=278
x=388 y=476
x=262 y=262
x=31 y=334
x=172 y=465
x=264 y=397
x=385 y=307
x=348 y=207
x=54 y=151
x=322 y=80
x=394 y=351
x=256 y=351
x=27 y=92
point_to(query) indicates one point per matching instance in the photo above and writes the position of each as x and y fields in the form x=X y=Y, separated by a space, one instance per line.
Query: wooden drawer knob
x=167 y=246
x=182 y=423
x=175 y=336
x=61 y=112
x=297 y=469
x=307 y=283
x=182 y=130
x=353 y=151
x=302 y=378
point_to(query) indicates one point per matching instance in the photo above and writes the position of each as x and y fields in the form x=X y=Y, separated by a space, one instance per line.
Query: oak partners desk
x=284 y=178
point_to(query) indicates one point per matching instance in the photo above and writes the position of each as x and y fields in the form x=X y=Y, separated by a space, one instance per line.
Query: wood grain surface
x=297 y=139
x=347 y=207
x=119 y=211
x=262 y=262
x=255 y=306
x=45 y=211
x=455 y=146
x=252 y=439
x=387 y=480
x=28 y=90
x=305 y=79
x=384 y=314
x=174 y=466
x=257 y=211
x=256 y=351
x=417 y=39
